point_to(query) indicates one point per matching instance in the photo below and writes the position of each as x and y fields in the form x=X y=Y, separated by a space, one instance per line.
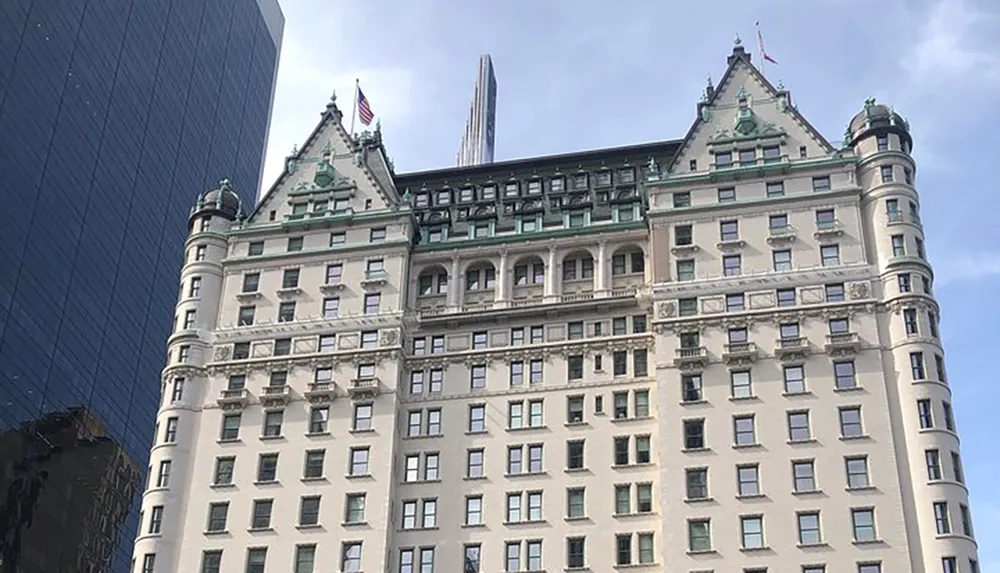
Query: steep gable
x=332 y=172
x=745 y=112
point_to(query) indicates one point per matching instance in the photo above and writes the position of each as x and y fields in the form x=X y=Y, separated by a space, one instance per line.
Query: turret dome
x=878 y=119
x=222 y=202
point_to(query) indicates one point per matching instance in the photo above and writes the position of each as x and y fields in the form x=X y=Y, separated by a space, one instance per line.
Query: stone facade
x=708 y=354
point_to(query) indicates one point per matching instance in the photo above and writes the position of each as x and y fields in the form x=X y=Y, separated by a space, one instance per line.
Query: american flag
x=364 y=110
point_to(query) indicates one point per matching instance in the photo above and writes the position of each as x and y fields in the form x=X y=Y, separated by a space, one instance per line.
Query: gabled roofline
x=741 y=55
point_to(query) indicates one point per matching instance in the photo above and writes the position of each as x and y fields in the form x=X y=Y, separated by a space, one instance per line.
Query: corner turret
x=220 y=202
x=878 y=119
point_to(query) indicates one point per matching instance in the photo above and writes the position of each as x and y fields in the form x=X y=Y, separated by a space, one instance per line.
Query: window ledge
x=577 y=470
x=637 y=465
x=809 y=492
x=699 y=499
x=693 y=402
x=577 y=518
x=527 y=428
x=354 y=524
x=702 y=552
x=947 y=482
x=870 y=542
x=850 y=389
x=861 y=489
x=477 y=433
x=217 y=532
x=635 y=565
x=473 y=525
x=579 y=424
x=696 y=450
x=525 y=522
x=628 y=419
x=744 y=399
x=633 y=515
x=819 y=545
x=808 y=441
x=751 y=496
x=353 y=431
x=755 y=549
x=316 y=434
x=526 y=474
x=272 y=438
x=266 y=482
x=746 y=446
x=308 y=527
x=260 y=529
x=423 y=437
x=225 y=441
x=466 y=478
x=358 y=476
x=859 y=438
x=222 y=485
x=311 y=479
x=937 y=536
x=796 y=394
x=434 y=528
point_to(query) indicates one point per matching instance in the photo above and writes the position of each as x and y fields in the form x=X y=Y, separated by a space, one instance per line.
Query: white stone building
x=718 y=353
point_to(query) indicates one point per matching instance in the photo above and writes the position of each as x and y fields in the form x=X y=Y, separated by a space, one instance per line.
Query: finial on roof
x=869 y=102
x=333 y=97
x=737 y=42
x=295 y=150
x=224 y=185
x=780 y=86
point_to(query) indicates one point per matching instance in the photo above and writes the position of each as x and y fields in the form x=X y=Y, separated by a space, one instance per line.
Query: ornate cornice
x=765 y=281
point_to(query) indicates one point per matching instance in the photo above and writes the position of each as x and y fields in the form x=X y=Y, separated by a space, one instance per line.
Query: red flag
x=760 y=45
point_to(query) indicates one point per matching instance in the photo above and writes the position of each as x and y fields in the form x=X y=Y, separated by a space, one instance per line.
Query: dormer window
x=625 y=213
x=580 y=181
x=772 y=154
x=341 y=205
x=748 y=157
x=422 y=200
x=604 y=178
x=480 y=229
x=435 y=235
x=576 y=220
x=299 y=209
x=556 y=184
x=693 y=165
x=443 y=197
x=467 y=195
x=535 y=187
x=489 y=193
x=511 y=189
x=530 y=224
x=319 y=206
x=724 y=160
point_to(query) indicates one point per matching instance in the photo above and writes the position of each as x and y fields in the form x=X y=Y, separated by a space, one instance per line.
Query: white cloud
x=947 y=48
x=965 y=267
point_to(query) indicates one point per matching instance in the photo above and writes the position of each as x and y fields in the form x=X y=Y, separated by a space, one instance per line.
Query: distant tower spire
x=477 y=142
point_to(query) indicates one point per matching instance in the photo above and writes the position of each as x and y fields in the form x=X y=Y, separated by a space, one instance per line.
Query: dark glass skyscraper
x=114 y=115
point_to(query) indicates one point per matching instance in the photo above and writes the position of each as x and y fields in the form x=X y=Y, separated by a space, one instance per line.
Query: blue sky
x=603 y=73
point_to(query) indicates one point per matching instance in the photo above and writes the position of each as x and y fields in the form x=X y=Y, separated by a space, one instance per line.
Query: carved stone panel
x=223 y=353
x=457 y=342
x=555 y=333
x=348 y=341
x=666 y=309
x=389 y=337
x=304 y=345
x=812 y=295
x=858 y=291
x=713 y=304
x=761 y=299
x=262 y=349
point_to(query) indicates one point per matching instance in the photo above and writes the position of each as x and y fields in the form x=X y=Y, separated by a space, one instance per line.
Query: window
x=699 y=535
x=294 y=244
x=924 y=414
x=782 y=260
x=350 y=557
x=804 y=476
x=149 y=559
x=966 y=517
x=869 y=568
x=863 y=522
x=687 y=307
x=740 y=385
x=474 y=464
x=694 y=434
x=850 y=422
x=372 y=303
x=267 y=468
x=772 y=153
x=163 y=475
x=933 y=461
x=574 y=455
x=477 y=418
x=314 y=464
x=829 y=255
x=857 y=472
x=261 y=514
x=574 y=368
x=752 y=531
x=949 y=420
x=882 y=141
x=575 y=503
x=898 y=245
x=795 y=379
x=361 y=421
x=696 y=482
x=685 y=270
x=942 y=519
x=729 y=231
x=217 y=516
x=623 y=549
x=155 y=519
x=309 y=511
x=956 y=467
x=286 y=312
x=809 y=533
x=272 y=423
x=377 y=235
x=170 y=432
x=283 y=347
x=189 y=317
x=211 y=562
x=474 y=510
x=748 y=480
x=359 y=462
x=194 y=289
x=477 y=377
x=255 y=248
x=331 y=307
x=575 y=551
x=743 y=430
x=305 y=559
x=682 y=199
x=798 y=427
x=224 y=471
x=354 y=508
x=735 y=302
x=775 y=188
x=844 y=375
x=201 y=250
x=821 y=183
x=574 y=409
x=730 y=265
x=834 y=292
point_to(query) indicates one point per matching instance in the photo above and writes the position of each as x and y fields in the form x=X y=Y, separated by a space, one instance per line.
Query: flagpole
x=354 y=108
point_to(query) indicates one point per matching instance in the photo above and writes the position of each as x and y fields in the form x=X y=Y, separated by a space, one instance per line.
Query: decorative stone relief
x=858 y=291
x=223 y=353
x=666 y=309
x=761 y=299
x=713 y=305
x=261 y=349
x=812 y=295
x=348 y=341
x=303 y=345
x=389 y=337
x=457 y=342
